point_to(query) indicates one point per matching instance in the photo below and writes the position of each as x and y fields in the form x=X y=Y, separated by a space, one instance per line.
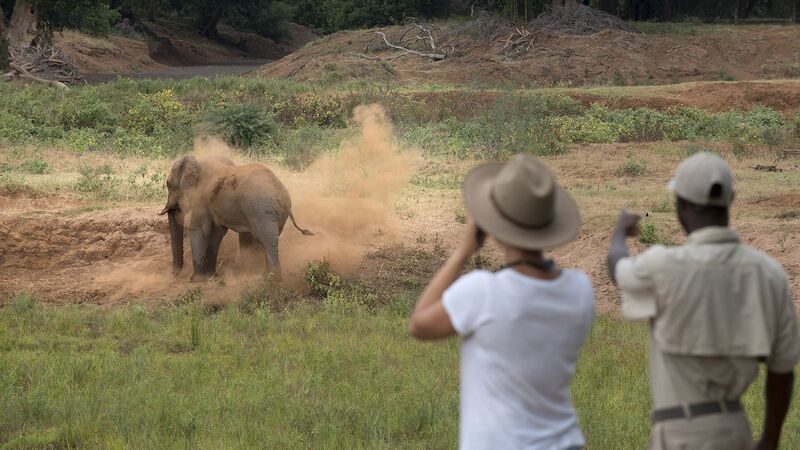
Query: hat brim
x=564 y=227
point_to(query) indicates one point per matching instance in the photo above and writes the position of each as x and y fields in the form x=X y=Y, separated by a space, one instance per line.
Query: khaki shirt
x=717 y=309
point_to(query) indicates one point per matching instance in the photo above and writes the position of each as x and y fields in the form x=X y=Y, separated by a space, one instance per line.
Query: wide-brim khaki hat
x=520 y=204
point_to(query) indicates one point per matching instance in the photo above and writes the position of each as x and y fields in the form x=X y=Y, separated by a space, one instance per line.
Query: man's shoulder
x=655 y=256
x=758 y=257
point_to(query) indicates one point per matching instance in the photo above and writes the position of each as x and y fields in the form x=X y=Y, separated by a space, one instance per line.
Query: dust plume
x=348 y=197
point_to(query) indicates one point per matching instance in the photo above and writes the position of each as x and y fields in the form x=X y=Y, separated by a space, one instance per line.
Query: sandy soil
x=122 y=254
x=607 y=57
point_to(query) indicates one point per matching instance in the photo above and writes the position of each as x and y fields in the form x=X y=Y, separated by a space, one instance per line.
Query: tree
x=2 y=24
x=23 y=26
x=609 y=6
x=566 y=3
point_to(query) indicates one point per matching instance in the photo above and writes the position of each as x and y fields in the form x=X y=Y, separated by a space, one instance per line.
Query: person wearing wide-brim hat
x=523 y=326
x=717 y=309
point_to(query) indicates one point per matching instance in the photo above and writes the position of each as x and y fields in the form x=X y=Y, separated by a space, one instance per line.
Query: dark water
x=179 y=73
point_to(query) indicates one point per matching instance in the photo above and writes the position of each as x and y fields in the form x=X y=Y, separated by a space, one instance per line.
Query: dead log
x=24 y=74
x=791 y=152
x=766 y=168
x=433 y=56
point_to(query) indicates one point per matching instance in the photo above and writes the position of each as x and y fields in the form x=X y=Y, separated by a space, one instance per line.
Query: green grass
x=289 y=120
x=327 y=376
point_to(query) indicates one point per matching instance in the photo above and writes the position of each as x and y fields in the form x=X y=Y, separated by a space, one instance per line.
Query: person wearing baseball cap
x=717 y=308
x=521 y=327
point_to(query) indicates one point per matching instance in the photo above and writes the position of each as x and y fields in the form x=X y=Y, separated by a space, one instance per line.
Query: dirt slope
x=112 y=54
x=475 y=54
x=170 y=44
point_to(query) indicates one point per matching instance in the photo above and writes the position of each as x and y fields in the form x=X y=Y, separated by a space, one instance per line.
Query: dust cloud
x=346 y=198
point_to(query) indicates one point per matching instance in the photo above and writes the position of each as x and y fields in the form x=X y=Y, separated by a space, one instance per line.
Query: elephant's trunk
x=176 y=239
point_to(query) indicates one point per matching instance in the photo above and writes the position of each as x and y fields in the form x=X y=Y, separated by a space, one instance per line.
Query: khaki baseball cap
x=704 y=179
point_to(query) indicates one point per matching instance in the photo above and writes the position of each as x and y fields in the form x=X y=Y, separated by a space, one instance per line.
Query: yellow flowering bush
x=154 y=110
x=311 y=109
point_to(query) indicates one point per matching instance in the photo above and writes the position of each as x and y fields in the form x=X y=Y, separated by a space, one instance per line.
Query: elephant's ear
x=189 y=171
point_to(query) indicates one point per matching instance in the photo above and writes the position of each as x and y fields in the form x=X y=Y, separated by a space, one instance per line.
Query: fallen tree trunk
x=24 y=74
x=434 y=56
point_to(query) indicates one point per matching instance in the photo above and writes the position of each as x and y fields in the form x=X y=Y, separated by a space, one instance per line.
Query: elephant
x=219 y=195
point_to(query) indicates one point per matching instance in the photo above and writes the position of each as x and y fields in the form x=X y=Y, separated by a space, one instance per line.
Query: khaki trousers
x=729 y=431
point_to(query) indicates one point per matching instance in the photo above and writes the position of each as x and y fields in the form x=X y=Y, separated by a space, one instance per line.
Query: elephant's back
x=252 y=182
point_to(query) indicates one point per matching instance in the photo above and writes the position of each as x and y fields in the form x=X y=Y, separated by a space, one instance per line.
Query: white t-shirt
x=521 y=338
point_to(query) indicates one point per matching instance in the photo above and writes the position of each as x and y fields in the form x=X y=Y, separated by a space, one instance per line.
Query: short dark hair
x=706 y=210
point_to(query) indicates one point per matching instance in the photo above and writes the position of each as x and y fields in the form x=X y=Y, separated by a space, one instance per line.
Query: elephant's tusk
x=163 y=212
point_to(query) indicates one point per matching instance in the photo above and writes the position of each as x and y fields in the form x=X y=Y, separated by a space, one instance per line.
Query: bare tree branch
x=434 y=56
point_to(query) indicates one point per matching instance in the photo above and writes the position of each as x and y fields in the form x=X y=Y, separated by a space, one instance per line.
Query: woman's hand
x=471 y=241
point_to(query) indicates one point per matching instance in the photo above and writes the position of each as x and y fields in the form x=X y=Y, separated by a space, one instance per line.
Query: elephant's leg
x=266 y=230
x=199 y=236
x=249 y=248
x=214 y=241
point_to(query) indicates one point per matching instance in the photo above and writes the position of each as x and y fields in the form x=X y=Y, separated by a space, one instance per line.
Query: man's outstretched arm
x=778 y=396
x=627 y=226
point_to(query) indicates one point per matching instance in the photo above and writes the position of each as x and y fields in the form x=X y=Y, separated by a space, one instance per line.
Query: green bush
x=320 y=279
x=649 y=235
x=589 y=128
x=15 y=129
x=350 y=298
x=243 y=125
x=631 y=167
x=155 y=113
x=311 y=109
x=36 y=166
x=98 y=182
x=91 y=17
x=85 y=111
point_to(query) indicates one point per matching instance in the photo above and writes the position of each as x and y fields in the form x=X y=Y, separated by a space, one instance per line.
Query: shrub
x=311 y=109
x=649 y=235
x=85 y=111
x=320 y=278
x=724 y=75
x=631 y=167
x=586 y=129
x=98 y=182
x=35 y=166
x=351 y=297
x=14 y=128
x=155 y=112
x=243 y=125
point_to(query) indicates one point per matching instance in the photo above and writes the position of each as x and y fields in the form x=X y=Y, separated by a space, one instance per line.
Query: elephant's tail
x=302 y=230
